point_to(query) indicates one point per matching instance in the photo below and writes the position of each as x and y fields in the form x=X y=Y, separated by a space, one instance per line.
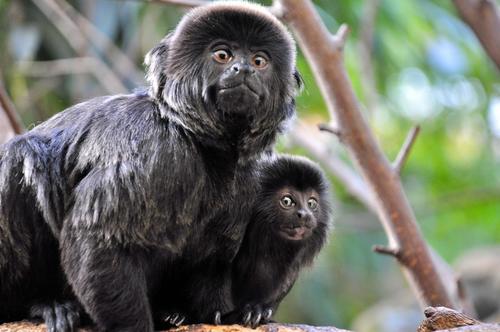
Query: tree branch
x=405 y=149
x=384 y=250
x=354 y=185
x=9 y=110
x=483 y=18
x=340 y=38
x=71 y=32
x=72 y=66
x=311 y=141
x=365 y=46
x=30 y=327
x=117 y=59
x=395 y=213
x=330 y=129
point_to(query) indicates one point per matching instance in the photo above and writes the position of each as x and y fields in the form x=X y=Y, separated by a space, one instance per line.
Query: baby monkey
x=289 y=225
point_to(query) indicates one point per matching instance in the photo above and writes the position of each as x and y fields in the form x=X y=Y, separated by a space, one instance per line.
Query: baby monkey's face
x=298 y=213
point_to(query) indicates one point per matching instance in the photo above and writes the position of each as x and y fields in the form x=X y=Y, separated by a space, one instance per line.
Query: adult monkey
x=143 y=188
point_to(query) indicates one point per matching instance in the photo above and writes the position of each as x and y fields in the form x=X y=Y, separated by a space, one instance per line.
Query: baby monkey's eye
x=259 y=61
x=313 y=204
x=222 y=56
x=287 y=202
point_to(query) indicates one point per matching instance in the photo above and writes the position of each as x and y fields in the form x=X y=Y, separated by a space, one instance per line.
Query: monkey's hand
x=251 y=315
x=59 y=317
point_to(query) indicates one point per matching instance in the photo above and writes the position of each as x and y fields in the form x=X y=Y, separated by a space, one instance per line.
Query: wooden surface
x=25 y=326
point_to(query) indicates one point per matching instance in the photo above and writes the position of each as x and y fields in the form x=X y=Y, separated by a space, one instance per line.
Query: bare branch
x=117 y=59
x=384 y=250
x=483 y=18
x=73 y=66
x=328 y=128
x=10 y=112
x=341 y=36
x=352 y=181
x=391 y=203
x=26 y=326
x=405 y=149
x=70 y=31
x=365 y=46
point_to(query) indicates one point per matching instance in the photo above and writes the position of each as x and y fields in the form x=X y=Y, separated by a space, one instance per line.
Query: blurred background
x=411 y=62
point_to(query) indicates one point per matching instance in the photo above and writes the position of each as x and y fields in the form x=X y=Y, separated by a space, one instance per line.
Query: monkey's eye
x=312 y=204
x=259 y=61
x=222 y=56
x=287 y=202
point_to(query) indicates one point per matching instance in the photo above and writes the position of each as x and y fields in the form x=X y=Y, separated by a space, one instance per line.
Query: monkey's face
x=246 y=62
x=298 y=213
x=238 y=77
x=225 y=61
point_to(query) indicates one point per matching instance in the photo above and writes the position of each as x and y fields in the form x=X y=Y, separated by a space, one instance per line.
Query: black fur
x=143 y=190
x=268 y=262
x=32 y=283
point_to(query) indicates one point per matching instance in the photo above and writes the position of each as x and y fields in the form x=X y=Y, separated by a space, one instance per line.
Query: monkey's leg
x=109 y=282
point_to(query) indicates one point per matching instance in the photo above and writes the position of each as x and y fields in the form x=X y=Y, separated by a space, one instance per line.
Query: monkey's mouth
x=237 y=99
x=240 y=86
x=295 y=233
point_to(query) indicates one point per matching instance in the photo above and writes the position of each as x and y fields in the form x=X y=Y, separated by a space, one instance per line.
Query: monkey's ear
x=298 y=79
x=155 y=62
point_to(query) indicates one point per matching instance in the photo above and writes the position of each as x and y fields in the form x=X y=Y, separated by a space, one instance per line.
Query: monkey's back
x=121 y=160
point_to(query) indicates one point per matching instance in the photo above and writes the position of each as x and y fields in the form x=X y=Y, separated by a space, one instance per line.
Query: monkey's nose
x=302 y=213
x=242 y=68
x=305 y=218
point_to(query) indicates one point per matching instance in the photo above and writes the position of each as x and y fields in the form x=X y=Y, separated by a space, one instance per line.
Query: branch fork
x=340 y=38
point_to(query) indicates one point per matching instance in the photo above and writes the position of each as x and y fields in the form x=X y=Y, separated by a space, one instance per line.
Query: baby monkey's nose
x=302 y=213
